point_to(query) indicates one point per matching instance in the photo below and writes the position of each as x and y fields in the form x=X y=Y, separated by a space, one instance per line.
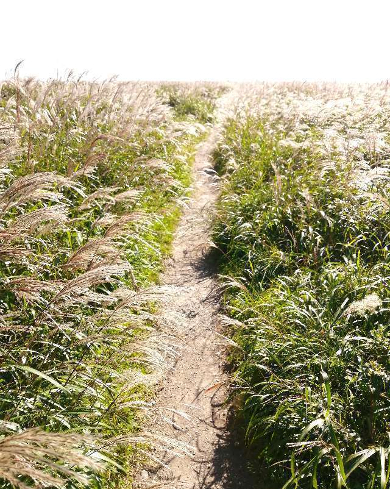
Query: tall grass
x=91 y=180
x=196 y=100
x=304 y=230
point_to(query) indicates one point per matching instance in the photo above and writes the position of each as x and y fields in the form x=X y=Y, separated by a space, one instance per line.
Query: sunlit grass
x=92 y=180
x=303 y=227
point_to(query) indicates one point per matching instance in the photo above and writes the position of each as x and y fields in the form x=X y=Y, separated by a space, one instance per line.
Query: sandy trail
x=197 y=383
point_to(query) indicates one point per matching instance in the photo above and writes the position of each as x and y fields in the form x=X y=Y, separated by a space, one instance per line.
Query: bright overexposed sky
x=237 y=40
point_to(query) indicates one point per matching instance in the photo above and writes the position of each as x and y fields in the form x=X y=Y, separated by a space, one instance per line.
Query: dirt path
x=196 y=385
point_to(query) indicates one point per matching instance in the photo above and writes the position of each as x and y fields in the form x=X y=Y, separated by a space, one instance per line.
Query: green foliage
x=90 y=184
x=303 y=227
x=192 y=100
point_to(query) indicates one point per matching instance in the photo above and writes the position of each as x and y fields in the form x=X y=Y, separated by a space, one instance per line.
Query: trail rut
x=197 y=384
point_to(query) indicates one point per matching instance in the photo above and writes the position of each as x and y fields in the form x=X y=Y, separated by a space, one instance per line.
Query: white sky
x=342 y=40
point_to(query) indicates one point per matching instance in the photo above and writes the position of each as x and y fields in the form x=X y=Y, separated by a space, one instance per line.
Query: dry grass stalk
x=27 y=224
x=78 y=289
x=94 y=253
x=31 y=453
x=34 y=187
x=120 y=226
x=30 y=290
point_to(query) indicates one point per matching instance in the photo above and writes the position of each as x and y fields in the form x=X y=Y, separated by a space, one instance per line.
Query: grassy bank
x=92 y=177
x=303 y=228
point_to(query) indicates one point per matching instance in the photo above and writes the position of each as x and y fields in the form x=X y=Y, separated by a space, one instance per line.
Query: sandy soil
x=196 y=386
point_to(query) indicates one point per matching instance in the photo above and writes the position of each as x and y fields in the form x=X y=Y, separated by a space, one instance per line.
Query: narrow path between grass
x=196 y=386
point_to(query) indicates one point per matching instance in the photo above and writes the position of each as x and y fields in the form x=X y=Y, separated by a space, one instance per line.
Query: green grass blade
x=43 y=376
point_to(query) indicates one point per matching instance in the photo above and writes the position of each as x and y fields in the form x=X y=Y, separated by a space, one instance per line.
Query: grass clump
x=303 y=227
x=91 y=180
x=195 y=100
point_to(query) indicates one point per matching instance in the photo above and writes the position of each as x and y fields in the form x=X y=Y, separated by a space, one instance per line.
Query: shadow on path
x=229 y=466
